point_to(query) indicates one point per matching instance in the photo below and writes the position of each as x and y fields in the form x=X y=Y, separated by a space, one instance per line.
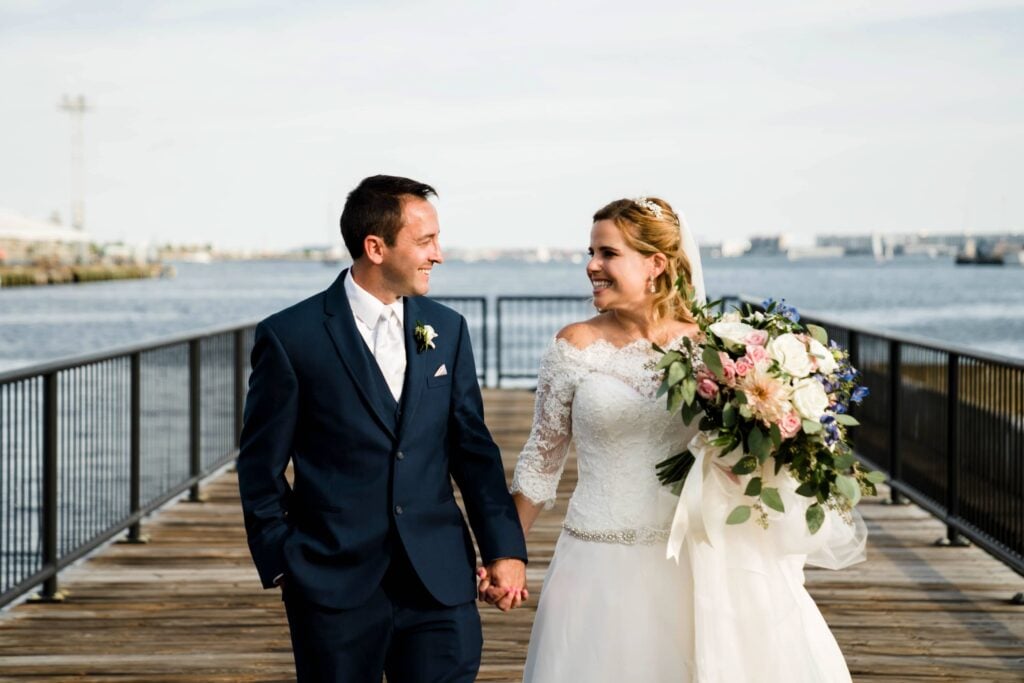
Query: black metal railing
x=946 y=423
x=90 y=445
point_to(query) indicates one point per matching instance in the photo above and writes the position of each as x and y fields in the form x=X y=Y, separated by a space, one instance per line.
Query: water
x=981 y=308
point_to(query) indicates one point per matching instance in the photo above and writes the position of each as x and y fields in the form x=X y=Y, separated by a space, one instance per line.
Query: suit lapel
x=341 y=326
x=414 y=365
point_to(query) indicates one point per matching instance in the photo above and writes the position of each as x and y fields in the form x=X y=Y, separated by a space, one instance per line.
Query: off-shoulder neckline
x=604 y=343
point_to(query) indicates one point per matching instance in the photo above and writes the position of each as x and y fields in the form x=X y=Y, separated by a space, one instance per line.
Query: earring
x=651 y=286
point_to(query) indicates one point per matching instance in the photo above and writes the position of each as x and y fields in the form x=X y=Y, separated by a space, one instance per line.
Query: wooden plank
x=188 y=607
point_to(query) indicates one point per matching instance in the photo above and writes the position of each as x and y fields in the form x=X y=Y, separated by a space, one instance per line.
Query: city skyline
x=245 y=124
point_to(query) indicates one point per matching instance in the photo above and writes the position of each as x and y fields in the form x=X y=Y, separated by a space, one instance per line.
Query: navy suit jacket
x=369 y=472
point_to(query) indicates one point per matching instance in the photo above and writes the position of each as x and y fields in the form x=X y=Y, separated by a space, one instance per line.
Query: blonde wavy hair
x=650 y=231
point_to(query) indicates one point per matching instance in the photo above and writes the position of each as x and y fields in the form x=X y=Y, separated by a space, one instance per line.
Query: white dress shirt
x=367 y=310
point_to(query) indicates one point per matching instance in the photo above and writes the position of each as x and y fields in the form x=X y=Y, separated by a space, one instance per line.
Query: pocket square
x=441 y=371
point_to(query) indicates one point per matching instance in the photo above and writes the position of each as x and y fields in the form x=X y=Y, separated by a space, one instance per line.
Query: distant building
x=773 y=245
x=24 y=240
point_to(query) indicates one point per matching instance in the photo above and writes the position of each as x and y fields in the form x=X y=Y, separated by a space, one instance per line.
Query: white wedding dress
x=733 y=608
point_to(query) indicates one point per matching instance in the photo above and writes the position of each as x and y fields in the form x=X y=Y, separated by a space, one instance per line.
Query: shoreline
x=37 y=276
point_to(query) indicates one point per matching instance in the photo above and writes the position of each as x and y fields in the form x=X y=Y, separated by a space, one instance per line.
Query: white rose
x=809 y=399
x=732 y=333
x=826 y=362
x=791 y=353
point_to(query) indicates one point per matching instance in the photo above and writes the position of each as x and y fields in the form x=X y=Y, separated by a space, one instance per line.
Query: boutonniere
x=425 y=336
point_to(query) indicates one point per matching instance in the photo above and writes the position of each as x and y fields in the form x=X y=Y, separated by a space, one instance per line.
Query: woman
x=613 y=608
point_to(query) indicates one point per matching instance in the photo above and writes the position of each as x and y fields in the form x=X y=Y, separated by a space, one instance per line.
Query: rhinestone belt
x=644 y=536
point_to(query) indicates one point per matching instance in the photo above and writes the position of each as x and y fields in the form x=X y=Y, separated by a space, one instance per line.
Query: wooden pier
x=188 y=607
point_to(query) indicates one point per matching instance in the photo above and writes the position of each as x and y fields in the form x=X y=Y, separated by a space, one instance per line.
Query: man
x=371 y=392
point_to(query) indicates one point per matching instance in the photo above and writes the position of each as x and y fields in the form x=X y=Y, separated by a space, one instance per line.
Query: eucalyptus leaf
x=845 y=461
x=811 y=427
x=847 y=419
x=675 y=373
x=849 y=487
x=808 y=489
x=729 y=415
x=713 y=362
x=689 y=390
x=772 y=499
x=745 y=465
x=668 y=359
x=675 y=399
x=739 y=515
x=753 y=487
x=819 y=334
x=689 y=412
x=663 y=388
x=876 y=477
x=776 y=434
x=760 y=445
x=815 y=518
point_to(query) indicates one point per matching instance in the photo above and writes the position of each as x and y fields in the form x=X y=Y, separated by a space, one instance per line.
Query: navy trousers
x=401 y=631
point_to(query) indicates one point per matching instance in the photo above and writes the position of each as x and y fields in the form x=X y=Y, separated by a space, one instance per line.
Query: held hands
x=503 y=584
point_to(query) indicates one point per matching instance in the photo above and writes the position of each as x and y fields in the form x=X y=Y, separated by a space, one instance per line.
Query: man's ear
x=373 y=248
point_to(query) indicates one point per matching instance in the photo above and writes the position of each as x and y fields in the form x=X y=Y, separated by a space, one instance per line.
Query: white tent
x=16 y=227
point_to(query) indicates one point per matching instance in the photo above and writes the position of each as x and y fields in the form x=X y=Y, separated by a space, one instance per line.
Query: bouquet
x=779 y=392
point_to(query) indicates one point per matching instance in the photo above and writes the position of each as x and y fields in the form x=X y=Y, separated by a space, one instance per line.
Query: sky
x=245 y=124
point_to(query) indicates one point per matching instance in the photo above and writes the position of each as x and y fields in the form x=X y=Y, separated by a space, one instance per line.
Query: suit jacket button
x=398 y=509
x=400 y=455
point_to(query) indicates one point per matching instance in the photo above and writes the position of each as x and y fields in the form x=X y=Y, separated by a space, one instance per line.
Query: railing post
x=895 y=417
x=50 y=592
x=194 y=417
x=483 y=301
x=953 y=536
x=239 y=383
x=497 y=348
x=135 y=445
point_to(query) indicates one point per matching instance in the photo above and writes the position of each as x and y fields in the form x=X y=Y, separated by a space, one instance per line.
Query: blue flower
x=839 y=408
x=859 y=394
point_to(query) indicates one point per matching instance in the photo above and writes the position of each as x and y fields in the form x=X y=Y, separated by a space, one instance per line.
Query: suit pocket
x=443 y=381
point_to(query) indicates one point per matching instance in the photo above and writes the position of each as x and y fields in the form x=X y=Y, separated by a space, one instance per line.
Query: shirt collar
x=366 y=306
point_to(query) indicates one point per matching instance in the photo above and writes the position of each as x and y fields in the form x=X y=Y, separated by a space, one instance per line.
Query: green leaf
x=845 y=461
x=688 y=412
x=819 y=334
x=847 y=419
x=689 y=390
x=739 y=515
x=663 y=388
x=760 y=445
x=729 y=415
x=811 y=427
x=753 y=487
x=721 y=440
x=815 y=518
x=745 y=465
x=675 y=373
x=849 y=487
x=668 y=359
x=741 y=398
x=772 y=499
x=714 y=363
x=675 y=399
x=876 y=477
x=808 y=489
x=776 y=434
x=658 y=349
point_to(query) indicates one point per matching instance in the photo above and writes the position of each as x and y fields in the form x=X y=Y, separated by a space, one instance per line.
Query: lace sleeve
x=540 y=464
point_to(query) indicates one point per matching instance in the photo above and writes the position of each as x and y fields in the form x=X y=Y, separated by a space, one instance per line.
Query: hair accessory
x=645 y=203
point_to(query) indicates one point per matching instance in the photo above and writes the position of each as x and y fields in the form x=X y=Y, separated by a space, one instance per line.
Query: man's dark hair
x=375 y=208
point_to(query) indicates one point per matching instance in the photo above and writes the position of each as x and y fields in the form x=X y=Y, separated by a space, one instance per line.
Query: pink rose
x=756 y=338
x=728 y=368
x=707 y=388
x=758 y=355
x=789 y=425
x=743 y=366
